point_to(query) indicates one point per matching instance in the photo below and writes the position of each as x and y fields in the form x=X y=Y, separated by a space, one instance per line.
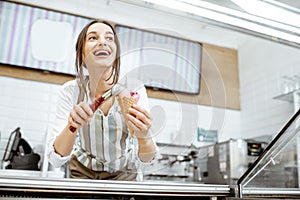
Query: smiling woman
x=104 y=149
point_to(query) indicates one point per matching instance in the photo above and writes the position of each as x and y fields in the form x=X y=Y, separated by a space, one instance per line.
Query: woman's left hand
x=139 y=120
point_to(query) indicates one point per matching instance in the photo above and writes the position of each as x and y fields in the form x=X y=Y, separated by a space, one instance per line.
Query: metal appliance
x=224 y=163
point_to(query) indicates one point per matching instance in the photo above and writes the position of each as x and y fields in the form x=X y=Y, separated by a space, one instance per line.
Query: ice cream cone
x=126 y=103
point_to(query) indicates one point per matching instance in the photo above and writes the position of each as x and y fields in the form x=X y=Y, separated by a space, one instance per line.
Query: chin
x=106 y=64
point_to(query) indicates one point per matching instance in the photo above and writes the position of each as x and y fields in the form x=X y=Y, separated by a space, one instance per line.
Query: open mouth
x=101 y=53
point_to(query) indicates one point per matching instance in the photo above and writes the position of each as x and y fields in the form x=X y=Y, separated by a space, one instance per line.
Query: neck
x=99 y=83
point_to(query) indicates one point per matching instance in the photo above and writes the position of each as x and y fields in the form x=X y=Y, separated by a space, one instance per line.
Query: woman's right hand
x=80 y=115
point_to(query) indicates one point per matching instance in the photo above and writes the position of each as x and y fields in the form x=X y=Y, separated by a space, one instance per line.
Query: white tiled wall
x=27 y=104
x=179 y=121
x=31 y=105
x=261 y=67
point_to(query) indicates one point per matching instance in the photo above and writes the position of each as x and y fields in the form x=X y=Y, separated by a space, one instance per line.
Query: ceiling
x=292 y=3
x=234 y=35
x=230 y=4
x=291 y=6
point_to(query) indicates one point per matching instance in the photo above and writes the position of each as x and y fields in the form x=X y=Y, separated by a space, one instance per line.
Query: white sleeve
x=66 y=101
x=143 y=100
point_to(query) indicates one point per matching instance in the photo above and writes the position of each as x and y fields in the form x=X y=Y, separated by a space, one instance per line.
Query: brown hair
x=79 y=62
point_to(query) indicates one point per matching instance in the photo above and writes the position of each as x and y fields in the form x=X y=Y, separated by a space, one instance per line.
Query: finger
x=144 y=111
x=84 y=112
x=76 y=118
x=79 y=116
x=132 y=126
x=72 y=122
x=140 y=116
x=87 y=109
x=140 y=125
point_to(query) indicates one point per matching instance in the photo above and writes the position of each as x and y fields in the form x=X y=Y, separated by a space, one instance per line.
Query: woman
x=101 y=147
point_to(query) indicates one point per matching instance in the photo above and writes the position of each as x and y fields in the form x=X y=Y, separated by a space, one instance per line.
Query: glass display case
x=276 y=172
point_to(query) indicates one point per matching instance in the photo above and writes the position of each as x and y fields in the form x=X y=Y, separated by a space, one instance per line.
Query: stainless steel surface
x=271 y=192
x=111 y=187
x=221 y=163
x=176 y=163
x=31 y=173
x=226 y=162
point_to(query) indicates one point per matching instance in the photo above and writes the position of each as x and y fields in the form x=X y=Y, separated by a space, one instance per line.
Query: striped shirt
x=104 y=144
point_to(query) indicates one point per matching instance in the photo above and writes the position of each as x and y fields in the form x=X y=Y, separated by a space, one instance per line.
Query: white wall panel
x=261 y=66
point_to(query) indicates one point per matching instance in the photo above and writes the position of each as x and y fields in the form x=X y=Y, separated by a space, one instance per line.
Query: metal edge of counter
x=80 y=186
x=271 y=192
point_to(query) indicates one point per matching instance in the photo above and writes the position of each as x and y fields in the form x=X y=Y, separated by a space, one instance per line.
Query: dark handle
x=94 y=107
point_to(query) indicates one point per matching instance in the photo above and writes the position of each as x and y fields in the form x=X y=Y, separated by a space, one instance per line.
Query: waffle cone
x=125 y=103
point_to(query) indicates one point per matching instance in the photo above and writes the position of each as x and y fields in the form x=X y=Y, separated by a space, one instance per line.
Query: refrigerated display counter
x=274 y=174
x=12 y=187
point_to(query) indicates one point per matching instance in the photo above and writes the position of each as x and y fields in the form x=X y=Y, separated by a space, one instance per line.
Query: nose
x=102 y=41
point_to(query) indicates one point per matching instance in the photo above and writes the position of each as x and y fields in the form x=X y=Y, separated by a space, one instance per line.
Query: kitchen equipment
x=227 y=161
x=12 y=145
x=19 y=153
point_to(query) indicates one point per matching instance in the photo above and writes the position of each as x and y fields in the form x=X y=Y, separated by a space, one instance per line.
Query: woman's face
x=100 y=47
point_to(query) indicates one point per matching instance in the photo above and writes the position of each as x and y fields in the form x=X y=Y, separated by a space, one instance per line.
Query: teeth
x=101 y=53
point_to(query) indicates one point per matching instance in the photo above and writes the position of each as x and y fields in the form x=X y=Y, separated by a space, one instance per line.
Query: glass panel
x=277 y=167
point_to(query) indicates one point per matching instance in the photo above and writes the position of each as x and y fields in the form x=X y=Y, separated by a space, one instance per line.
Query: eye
x=109 y=38
x=92 y=37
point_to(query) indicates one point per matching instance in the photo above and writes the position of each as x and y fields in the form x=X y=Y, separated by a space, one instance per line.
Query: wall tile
x=260 y=71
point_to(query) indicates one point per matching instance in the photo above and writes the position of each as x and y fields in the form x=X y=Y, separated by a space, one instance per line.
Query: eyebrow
x=95 y=32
